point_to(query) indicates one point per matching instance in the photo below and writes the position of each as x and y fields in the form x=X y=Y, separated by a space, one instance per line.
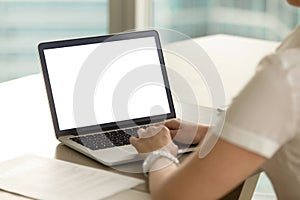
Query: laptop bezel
x=100 y=39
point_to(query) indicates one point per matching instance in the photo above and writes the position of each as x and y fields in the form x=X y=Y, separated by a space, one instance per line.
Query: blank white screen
x=64 y=65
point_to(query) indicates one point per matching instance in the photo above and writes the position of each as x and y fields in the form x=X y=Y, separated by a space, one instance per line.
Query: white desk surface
x=26 y=125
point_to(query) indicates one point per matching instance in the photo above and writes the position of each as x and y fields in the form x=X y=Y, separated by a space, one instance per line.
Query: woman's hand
x=185 y=132
x=154 y=138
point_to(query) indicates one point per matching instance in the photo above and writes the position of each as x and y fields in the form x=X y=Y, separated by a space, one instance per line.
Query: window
x=269 y=19
x=25 y=23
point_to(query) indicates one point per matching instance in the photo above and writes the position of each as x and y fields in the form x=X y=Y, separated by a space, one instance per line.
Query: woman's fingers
x=171 y=124
x=149 y=132
x=173 y=133
x=141 y=132
x=151 y=139
x=133 y=140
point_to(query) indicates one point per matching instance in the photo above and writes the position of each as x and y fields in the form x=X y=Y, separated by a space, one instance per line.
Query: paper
x=44 y=178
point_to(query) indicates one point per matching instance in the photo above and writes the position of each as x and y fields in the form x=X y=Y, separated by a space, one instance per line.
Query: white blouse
x=265 y=117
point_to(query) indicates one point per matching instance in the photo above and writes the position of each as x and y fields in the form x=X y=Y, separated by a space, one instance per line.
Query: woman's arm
x=208 y=178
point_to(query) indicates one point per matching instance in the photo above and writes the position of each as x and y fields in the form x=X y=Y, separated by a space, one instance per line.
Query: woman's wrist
x=158 y=160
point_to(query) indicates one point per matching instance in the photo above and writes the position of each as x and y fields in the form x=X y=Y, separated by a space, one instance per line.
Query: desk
x=26 y=125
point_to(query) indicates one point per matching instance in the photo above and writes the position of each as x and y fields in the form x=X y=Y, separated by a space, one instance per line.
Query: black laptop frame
x=100 y=39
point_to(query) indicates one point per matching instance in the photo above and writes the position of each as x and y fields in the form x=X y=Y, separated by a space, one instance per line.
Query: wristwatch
x=152 y=157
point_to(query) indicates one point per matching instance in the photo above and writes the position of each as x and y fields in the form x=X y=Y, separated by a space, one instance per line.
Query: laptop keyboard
x=113 y=138
x=107 y=139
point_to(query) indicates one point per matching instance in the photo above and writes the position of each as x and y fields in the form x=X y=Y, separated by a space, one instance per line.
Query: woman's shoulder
x=282 y=60
x=291 y=42
x=286 y=57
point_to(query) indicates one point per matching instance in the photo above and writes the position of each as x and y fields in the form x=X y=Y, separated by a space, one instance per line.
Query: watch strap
x=154 y=156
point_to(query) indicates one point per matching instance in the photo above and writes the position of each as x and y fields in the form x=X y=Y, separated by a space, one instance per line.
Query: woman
x=262 y=130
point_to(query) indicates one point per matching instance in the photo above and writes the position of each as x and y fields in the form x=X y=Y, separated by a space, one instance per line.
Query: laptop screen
x=130 y=82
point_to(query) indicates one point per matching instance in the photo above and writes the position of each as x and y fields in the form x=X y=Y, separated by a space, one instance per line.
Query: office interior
x=25 y=23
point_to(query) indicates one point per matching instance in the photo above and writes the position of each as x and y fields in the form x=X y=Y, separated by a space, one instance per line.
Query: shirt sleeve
x=260 y=119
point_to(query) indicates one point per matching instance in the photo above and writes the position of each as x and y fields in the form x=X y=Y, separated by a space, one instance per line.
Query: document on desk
x=43 y=178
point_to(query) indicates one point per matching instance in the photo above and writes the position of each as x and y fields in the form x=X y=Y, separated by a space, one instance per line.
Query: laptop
x=102 y=89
